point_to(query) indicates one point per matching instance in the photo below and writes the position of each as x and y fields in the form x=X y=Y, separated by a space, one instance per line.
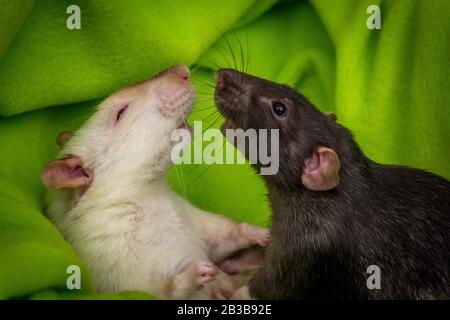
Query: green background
x=389 y=86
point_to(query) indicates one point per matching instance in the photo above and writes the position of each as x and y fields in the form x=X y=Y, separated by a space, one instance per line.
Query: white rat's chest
x=164 y=224
x=136 y=244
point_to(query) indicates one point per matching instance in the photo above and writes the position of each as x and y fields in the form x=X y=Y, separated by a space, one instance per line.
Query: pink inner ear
x=312 y=163
x=78 y=171
x=66 y=173
x=321 y=170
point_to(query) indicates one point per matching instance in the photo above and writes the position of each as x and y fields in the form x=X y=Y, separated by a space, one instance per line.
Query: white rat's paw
x=255 y=235
x=203 y=272
x=241 y=294
x=193 y=278
x=221 y=295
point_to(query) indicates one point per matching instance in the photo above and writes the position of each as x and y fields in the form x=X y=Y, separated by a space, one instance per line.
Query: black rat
x=336 y=212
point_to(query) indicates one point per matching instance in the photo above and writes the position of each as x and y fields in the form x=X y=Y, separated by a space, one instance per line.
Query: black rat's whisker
x=231 y=51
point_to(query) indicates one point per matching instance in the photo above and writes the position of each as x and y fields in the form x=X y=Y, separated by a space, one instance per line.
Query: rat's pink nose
x=181 y=70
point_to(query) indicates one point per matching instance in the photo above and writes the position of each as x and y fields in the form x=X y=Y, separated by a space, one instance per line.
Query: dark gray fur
x=395 y=217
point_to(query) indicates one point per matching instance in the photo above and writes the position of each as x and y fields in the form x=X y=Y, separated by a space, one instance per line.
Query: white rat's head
x=129 y=136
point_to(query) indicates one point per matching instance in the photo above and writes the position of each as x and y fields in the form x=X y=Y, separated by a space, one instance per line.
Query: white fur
x=132 y=231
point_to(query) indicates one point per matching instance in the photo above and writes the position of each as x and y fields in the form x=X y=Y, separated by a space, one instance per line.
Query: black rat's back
x=400 y=223
x=404 y=228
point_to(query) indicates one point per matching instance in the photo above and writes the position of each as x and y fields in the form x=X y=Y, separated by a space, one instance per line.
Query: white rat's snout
x=180 y=71
x=175 y=92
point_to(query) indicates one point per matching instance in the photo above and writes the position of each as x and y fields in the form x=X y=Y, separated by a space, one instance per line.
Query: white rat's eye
x=121 y=112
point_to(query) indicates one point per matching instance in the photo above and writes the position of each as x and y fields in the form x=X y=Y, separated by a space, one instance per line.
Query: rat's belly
x=169 y=241
x=135 y=251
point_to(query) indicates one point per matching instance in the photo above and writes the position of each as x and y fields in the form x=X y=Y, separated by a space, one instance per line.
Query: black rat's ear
x=321 y=170
x=63 y=137
x=331 y=116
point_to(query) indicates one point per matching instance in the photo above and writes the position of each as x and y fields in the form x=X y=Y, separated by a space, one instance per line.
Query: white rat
x=110 y=198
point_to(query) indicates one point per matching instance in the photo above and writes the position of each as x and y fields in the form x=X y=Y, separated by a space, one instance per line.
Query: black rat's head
x=310 y=151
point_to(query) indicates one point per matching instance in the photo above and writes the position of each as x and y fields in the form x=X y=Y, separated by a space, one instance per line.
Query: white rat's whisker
x=203 y=109
x=180 y=182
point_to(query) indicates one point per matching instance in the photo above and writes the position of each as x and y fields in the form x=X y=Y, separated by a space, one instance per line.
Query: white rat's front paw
x=202 y=272
x=242 y=293
x=220 y=295
x=193 y=278
x=255 y=235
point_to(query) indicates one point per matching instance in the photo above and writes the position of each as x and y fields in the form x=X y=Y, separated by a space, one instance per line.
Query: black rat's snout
x=226 y=77
x=232 y=92
x=231 y=81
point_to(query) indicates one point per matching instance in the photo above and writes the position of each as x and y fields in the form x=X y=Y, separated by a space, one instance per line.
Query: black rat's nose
x=224 y=76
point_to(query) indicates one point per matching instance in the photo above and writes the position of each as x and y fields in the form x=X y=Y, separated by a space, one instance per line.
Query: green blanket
x=389 y=86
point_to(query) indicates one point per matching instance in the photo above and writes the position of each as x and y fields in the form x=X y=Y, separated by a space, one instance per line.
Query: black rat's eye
x=279 y=109
x=121 y=112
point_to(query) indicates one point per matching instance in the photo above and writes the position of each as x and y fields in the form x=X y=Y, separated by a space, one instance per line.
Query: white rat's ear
x=321 y=170
x=68 y=172
x=63 y=137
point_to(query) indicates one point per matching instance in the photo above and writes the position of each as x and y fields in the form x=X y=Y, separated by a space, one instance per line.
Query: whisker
x=208 y=166
x=203 y=109
x=218 y=116
x=182 y=187
x=231 y=51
